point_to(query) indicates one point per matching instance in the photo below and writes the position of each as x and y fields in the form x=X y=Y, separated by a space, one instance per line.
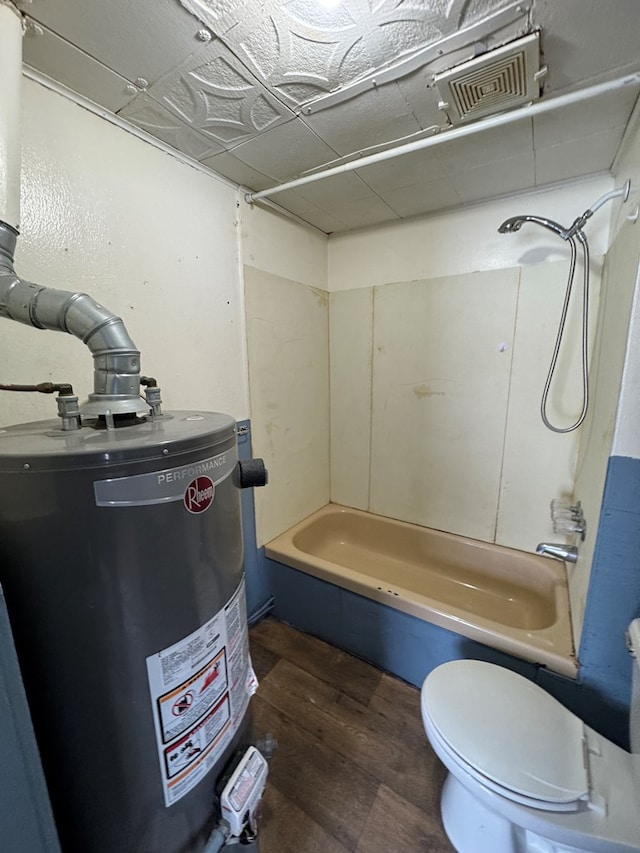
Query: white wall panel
x=288 y=348
x=351 y=342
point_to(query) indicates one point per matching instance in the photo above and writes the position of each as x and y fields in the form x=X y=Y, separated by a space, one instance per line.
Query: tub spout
x=568 y=553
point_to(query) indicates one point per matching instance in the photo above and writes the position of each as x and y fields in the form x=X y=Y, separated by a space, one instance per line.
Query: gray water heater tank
x=122 y=564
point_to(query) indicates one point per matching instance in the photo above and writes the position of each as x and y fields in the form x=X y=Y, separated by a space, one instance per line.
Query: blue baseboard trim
x=410 y=648
x=390 y=639
x=614 y=596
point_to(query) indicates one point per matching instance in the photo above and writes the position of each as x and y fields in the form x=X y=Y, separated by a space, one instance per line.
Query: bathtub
x=510 y=600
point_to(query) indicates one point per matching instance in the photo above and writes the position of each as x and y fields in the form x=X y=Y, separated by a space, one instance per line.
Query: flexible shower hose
x=585 y=331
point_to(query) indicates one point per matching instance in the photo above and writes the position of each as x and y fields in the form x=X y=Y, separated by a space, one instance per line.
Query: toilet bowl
x=525 y=774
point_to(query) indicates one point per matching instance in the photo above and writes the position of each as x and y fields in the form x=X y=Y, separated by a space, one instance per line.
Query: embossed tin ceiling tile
x=220 y=15
x=151 y=117
x=301 y=49
x=215 y=95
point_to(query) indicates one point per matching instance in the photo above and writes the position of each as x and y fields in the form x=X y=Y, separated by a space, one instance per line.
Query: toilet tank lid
x=633 y=639
x=509 y=729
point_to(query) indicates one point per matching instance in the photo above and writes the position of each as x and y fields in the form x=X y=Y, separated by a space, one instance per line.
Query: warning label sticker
x=200 y=688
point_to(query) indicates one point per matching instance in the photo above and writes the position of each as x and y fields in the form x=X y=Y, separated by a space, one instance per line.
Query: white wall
x=611 y=427
x=627 y=435
x=153 y=239
x=466 y=240
x=287 y=323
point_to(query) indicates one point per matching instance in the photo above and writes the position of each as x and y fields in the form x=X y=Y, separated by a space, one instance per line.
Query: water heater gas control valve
x=243 y=792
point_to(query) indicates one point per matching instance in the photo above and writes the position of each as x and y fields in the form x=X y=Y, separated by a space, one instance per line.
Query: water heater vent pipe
x=116 y=357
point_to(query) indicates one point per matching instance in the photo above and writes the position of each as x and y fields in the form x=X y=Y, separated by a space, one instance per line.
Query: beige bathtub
x=507 y=599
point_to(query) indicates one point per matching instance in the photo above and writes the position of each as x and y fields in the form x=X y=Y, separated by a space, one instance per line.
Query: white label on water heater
x=200 y=688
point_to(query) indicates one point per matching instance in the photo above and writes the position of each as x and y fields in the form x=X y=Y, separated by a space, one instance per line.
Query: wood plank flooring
x=353 y=771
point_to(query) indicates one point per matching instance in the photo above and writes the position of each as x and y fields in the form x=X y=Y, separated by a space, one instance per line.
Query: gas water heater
x=121 y=560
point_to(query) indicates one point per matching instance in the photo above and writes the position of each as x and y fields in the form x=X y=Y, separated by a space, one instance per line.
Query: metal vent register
x=502 y=78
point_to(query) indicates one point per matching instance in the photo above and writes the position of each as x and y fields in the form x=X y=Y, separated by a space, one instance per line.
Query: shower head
x=510 y=226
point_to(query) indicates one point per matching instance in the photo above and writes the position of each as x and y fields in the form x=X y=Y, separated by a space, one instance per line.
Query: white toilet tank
x=634 y=719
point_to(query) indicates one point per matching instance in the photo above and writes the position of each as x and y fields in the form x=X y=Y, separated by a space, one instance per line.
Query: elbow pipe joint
x=116 y=358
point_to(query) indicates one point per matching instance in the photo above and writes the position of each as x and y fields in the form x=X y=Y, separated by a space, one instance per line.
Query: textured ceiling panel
x=422 y=197
x=284 y=151
x=214 y=94
x=227 y=165
x=576 y=121
x=388 y=175
x=267 y=90
x=136 y=38
x=373 y=118
x=62 y=61
x=591 y=154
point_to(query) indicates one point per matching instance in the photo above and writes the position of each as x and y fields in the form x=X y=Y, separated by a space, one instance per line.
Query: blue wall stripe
x=614 y=590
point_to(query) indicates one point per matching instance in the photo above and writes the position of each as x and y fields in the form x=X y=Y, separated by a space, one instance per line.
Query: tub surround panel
x=350 y=353
x=288 y=348
x=435 y=402
x=440 y=390
x=538 y=464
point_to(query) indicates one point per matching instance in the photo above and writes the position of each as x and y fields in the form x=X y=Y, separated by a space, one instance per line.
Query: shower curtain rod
x=458 y=132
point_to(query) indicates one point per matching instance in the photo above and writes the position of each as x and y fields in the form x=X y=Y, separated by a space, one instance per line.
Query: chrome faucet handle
x=567 y=518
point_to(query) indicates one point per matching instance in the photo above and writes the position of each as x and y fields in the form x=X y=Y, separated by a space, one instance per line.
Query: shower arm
x=579 y=223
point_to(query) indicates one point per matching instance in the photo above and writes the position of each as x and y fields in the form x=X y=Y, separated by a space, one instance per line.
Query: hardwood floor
x=353 y=771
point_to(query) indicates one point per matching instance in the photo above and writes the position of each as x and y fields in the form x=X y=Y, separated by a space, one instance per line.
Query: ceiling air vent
x=498 y=80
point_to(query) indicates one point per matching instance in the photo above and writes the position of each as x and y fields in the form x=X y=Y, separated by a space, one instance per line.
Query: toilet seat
x=480 y=713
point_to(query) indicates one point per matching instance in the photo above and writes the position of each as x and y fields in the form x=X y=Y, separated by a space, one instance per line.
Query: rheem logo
x=198 y=495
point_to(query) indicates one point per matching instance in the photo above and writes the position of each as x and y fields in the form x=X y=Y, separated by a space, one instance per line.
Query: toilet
x=525 y=774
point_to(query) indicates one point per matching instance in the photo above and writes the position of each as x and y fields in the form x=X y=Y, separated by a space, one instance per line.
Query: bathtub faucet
x=568 y=553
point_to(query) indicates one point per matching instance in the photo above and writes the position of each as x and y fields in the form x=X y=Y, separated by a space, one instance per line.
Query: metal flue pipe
x=116 y=357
